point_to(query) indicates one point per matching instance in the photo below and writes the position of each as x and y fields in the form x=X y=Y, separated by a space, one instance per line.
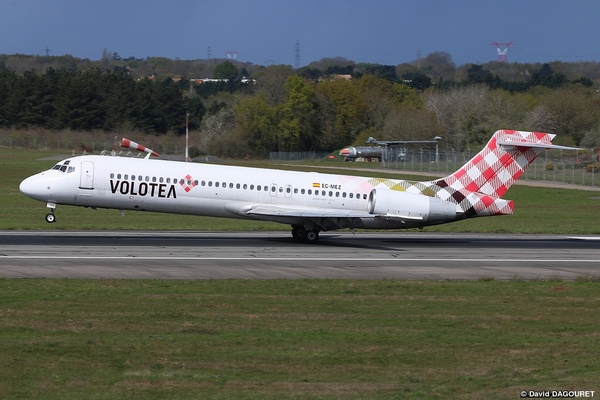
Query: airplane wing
x=325 y=219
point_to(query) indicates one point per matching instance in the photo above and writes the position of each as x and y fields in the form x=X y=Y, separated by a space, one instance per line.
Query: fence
x=561 y=166
x=76 y=147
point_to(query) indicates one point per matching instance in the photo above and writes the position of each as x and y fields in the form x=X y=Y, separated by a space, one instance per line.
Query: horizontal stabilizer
x=512 y=141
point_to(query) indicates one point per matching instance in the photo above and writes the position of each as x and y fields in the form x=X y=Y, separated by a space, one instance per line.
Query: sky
x=265 y=32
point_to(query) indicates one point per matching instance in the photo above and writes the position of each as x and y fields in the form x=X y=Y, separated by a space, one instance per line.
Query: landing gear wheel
x=50 y=218
x=298 y=233
x=311 y=236
x=302 y=235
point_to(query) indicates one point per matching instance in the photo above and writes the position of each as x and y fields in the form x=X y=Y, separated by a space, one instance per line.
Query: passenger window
x=231 y=186
x=364 y=196
x=251 y=187
x=245 y=186
x=126 y=177
x=303 y=191
x=209 y=183
x=258 y=188
x=203 y=183
x=237 y=186
x=161 y=179
x=112 y=176
x=330 y=193
x=309 y=191
x=147 y=179
x=351 y=195
x=118 y=175
x=216 y=184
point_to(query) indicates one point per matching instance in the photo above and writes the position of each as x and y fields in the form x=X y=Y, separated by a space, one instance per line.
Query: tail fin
x=477 y=187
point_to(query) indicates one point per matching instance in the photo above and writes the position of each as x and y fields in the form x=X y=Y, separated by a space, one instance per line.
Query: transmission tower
x=48 y=51
x=502 y=48
x=297 y=54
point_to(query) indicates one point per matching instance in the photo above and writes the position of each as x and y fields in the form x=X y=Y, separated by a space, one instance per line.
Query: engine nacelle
x=394 y=203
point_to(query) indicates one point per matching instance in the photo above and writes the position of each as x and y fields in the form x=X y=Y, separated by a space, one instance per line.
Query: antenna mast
x=297 y=54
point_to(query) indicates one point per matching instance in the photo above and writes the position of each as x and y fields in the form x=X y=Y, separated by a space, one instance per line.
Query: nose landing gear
x=50 y=217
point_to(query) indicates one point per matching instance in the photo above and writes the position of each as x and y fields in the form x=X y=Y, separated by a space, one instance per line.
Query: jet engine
x=394 y=204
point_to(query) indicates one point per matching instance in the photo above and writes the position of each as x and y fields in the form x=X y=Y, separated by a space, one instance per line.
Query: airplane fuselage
x=218 y=191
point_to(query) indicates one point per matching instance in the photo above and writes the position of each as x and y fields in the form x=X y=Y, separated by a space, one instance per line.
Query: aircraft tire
x=311 y=236
x=50 y=218
x=298 y=233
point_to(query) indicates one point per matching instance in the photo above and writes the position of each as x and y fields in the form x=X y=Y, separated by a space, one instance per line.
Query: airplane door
x=87 y=175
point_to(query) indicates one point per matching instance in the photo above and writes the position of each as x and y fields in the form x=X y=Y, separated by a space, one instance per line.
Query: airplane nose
x=32 y=187
x=27 y=187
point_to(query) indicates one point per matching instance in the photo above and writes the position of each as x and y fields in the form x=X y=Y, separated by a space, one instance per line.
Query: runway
x=271 y=255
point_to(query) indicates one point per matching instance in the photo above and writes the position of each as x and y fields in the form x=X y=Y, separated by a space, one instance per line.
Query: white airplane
x=310 y=202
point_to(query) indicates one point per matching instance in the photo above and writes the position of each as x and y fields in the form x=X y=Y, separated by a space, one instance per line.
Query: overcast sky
x=265 y=31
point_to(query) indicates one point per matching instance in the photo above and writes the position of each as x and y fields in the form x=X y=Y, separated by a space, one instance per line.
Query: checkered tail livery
x=478 y=186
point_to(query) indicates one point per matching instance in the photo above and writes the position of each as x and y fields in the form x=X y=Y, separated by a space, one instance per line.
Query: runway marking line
x=144 y=258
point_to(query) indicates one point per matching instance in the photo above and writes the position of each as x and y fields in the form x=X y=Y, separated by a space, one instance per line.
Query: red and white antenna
x=502 y=48
x=130 y=144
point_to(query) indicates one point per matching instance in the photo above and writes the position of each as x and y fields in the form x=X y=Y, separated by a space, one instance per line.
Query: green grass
x=299 y=339
x=537 y=210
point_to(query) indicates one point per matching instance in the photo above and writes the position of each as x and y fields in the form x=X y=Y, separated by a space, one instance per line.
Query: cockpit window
x=64 y=167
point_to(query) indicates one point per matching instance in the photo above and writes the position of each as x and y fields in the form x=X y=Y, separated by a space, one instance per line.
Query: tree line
x=321 y=107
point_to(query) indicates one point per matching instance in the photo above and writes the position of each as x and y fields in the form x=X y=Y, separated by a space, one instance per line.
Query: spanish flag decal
x=317 y=185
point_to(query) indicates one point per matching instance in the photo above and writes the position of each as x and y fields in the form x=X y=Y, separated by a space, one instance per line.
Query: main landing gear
x=302 y=234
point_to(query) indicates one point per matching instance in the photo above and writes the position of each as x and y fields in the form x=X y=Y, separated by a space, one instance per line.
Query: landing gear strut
x=301 y=234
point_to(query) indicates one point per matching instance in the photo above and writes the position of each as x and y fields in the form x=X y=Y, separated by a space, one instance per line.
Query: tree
x=226 y=70
x=297 y=122
x=345 y=113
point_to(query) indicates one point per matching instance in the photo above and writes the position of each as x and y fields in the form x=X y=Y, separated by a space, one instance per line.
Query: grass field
x=294 y=339
x=316 y=339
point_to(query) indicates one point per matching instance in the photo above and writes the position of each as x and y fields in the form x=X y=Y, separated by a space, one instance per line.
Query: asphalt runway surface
x=271 y=255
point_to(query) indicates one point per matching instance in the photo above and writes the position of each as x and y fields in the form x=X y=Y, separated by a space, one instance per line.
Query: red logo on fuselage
x=187 y=183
